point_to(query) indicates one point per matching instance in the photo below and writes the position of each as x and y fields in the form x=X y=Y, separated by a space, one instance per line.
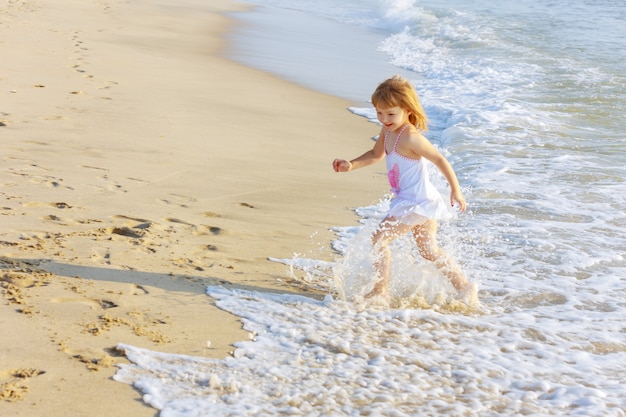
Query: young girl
x=417 y=204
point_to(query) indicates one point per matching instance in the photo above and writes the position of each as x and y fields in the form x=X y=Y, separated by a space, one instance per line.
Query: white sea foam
x=310 y=357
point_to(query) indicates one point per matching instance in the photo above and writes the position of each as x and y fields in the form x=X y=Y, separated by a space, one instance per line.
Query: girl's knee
x=381 y=238
x=379 y=243
x=429 y=253
x=388 y=230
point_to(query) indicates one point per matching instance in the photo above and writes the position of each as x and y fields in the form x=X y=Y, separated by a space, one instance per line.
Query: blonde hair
x=398 y=92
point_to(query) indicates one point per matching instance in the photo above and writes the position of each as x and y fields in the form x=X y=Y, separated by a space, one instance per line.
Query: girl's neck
x=400 y=128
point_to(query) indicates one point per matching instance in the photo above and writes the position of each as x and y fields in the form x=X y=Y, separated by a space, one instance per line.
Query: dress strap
x=397 y=138
x=385 y=142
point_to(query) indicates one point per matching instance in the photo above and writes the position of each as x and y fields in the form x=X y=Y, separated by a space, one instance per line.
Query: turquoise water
x=526 y=99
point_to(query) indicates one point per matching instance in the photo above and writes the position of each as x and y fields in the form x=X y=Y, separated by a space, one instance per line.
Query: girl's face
x=393 y=118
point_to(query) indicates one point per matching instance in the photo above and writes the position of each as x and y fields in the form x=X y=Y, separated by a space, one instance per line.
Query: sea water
x=526 y=100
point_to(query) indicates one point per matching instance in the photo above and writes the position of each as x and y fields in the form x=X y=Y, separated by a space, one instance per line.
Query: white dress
x=416 y=198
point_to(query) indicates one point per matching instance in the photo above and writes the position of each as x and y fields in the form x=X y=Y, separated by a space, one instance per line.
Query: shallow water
x=526 y=101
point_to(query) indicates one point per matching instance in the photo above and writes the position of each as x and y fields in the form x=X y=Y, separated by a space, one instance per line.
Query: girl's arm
x=368 y=158
x=456 y=196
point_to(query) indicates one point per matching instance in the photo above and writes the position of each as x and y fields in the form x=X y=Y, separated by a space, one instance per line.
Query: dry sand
x=137 y=167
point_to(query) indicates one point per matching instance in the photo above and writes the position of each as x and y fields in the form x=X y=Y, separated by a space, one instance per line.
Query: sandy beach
x=139 y=166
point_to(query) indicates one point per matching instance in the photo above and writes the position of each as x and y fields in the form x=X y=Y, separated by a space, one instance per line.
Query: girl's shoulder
x=413 y=143
x=413 y=135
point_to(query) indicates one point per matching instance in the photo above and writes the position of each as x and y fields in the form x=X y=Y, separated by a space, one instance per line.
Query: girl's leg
x=426 y=237
x=387 y=231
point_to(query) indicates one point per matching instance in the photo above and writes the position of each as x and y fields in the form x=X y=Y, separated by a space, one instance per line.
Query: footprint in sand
x=187 y=263
x=48 y=180
x=58 y=220
x=203 y=230
x=54 y=117
x=59 y=205
x=92 y=167
x=19 y=279
x=37 y=142
x=110 y=185
x=137 y=322
x=139 y=180
x=138 y=290
x=127 y=232
x=13 y=383
x=108 y=84
x=184 y=198
x=179 y=200
x=93 y=303
x=93 y=359
x=145 y=231
x=200 y=230
x=102 y=256
x=175 y=220
x=113 y=185
x=135 y=219
x=5 y=211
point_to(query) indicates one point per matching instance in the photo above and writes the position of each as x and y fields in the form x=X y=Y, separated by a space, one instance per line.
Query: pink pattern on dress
x=394 y=178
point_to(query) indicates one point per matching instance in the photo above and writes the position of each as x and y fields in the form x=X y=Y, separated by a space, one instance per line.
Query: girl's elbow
x=441 y=162
x=379 y=156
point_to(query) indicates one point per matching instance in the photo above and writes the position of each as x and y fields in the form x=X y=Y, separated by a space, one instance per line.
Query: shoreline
x=295 y=48
x=139 y=167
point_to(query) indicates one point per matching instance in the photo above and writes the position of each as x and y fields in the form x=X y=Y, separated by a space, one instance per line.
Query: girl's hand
x=341 y=165
x=457 y=197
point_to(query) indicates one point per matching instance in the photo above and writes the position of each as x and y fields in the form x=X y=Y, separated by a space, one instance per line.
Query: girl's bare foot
x=468 y=293
x=380 y=289
x=378 y=301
